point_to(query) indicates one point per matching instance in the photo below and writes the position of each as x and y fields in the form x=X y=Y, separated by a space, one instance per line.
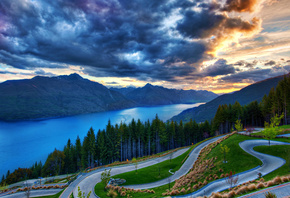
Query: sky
x=215 y=45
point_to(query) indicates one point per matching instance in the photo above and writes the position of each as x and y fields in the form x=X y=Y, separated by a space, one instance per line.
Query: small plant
x=105 y=177
x=134 y=160
x=112 y=193
x=82 y=194
x=271 y=129
x=225 y=150
x=232 y=179
x=239 y=125
x=270 y=195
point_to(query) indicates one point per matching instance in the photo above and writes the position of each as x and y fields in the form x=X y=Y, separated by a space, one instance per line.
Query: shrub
x=242 y=190
x=252 y=187
x=270 y=195
x=260 y=185
x=285 y=179
x=277 y=180
x=112 y=193
x=270 y=183
x=216 y=195
x=123 y=193
x=231 y=194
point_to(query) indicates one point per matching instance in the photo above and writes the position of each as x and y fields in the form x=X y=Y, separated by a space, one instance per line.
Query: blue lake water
x=23 y=143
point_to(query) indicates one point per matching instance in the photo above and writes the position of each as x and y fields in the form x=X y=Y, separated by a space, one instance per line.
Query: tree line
x=255 y=114
x=121 y=142
x=117 y=142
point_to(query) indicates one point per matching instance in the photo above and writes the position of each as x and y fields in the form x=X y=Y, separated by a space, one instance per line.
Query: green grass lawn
x=282 y=151
x=151 y=173
x=284 y=127
x=238 y=159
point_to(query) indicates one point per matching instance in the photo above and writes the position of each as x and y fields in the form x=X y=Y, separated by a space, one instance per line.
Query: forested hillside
x=255 y=114
x=245 y=96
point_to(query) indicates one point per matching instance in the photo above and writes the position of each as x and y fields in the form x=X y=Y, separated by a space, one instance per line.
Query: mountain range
x=44 y=97
x=150 y=95
x=245 y=96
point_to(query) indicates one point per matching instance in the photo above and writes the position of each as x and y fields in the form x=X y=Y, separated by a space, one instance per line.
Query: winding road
x=270 y=163
x=87 y=181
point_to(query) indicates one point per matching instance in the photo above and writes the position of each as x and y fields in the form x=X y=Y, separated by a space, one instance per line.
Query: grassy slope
x=238 y=159
x=279 y=151
x=151 y=173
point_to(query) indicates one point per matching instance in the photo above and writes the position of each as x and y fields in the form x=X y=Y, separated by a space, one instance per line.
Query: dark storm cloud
x=256 y=74
x=220 y=67
x=112 y=83
x=246 y=64
x=271 y=62
x=104 y=36
x=41 y=72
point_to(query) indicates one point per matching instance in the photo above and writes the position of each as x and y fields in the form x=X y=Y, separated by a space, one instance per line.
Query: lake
x=25 y=142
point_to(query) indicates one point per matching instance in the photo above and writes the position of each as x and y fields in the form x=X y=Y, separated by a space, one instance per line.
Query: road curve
x=187 y=165
x=270 y=163
x=89 y=182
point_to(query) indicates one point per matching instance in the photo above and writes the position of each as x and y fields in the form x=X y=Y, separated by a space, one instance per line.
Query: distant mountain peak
x=148 y=85
x=73 y=76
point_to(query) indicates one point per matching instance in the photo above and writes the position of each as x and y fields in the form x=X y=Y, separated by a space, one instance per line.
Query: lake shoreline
x=33 y=140
x=65 y=116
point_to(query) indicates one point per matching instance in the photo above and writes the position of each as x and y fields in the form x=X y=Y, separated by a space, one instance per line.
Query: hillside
x=246 y=95
x=156 y=95
x=43 y=97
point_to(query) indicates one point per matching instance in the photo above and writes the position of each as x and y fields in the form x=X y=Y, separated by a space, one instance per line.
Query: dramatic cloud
x=240 y=5
x=116 y=38
x=246 y=64
x=220 y=67
x=255 y=75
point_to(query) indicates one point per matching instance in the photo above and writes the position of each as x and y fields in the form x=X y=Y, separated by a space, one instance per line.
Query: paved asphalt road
x=34 y=193
x=187 y=165
x=270 y=163
x=89 y=182
x=281 y=191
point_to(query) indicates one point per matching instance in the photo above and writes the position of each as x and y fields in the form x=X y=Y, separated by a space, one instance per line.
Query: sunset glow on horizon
x=219 y=46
